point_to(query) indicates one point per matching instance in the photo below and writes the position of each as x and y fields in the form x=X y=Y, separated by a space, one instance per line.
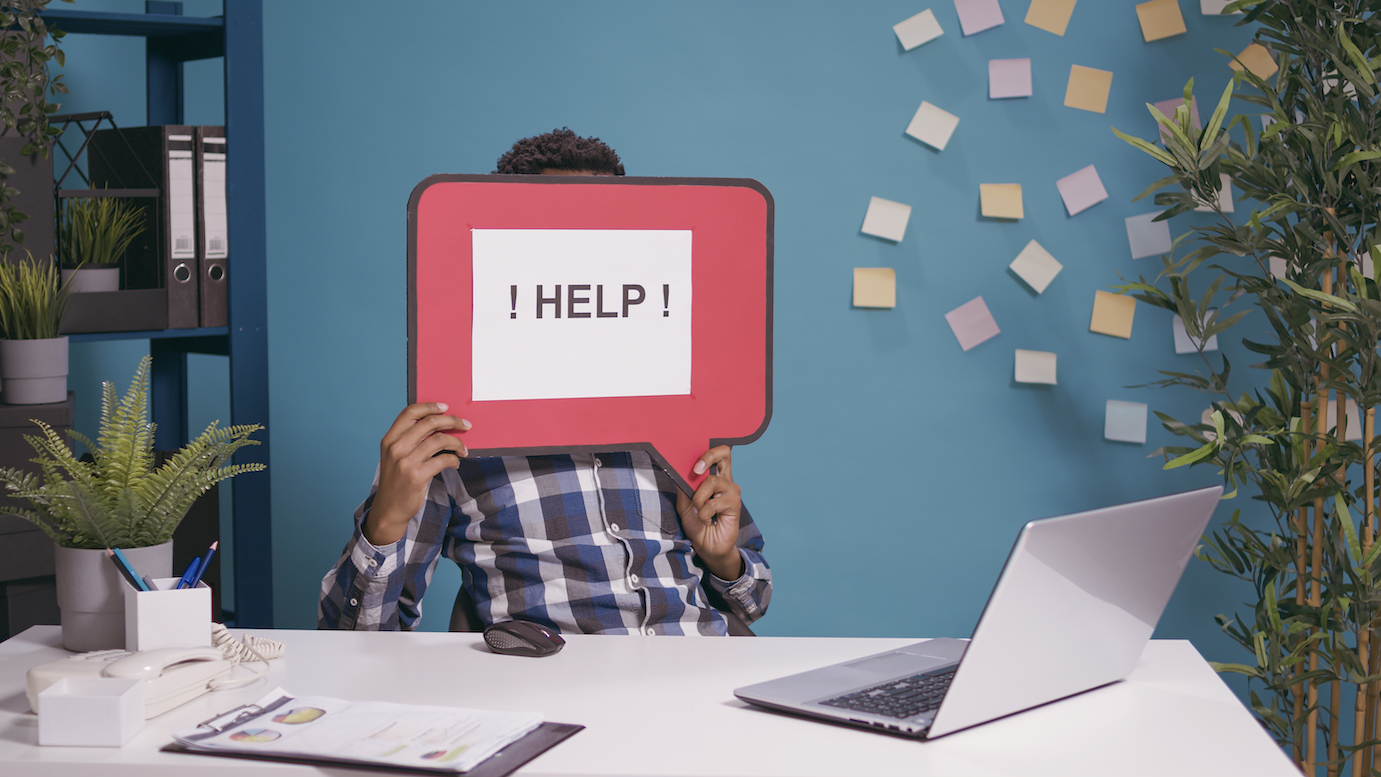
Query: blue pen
x=134 y=575
x=189 y=575
x=205 y=562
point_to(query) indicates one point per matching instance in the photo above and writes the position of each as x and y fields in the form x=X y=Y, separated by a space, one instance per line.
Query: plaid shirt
x=585 y=543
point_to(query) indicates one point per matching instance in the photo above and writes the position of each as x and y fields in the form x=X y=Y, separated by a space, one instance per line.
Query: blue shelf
x=144 y=25
x=156 y=334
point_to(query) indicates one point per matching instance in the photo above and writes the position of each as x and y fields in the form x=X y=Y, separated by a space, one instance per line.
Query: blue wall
x=897 y=469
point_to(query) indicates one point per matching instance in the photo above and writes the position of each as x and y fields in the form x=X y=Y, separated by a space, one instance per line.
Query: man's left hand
x=710 y=517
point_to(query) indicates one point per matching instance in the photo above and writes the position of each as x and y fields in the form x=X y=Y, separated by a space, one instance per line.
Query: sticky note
x=1147 y=236
x=1009 y=78
x=1215 y=7
x=1035 y=367
x=976 y=16
x=875 y=287
x=1256 y=59
x=1225 y=200
x=1354 y=425
x=1184 y=343
x=1167 y=109
x=972 y=323
x=1365 y=264
x=932 y=126
x=1279 y=267
x=919 y=29
x=1001 y=200
x=1125 y=421
x=1050 y=15
x=1160 y=19
x=1112 y=314
x=1081 y=190
x=886 y=219
x=1088 y=89
x=1036 y=266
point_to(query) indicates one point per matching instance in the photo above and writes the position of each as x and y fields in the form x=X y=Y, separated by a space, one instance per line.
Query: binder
x=213 y=234
x=165 y=255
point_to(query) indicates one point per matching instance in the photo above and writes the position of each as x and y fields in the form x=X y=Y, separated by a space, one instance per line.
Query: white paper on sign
x=557 y=312
x=932 y=126
x=1081 y=190
x=1185 y=344
x=1036 y=266
x=1125 y=421
x=1147 y=236
x=919 y=29
x=976 y=16
x=1009 y=78
x=886 y=219
x=1035 y=367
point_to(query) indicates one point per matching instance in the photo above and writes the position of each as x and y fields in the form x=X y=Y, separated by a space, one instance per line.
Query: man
x=592 y=543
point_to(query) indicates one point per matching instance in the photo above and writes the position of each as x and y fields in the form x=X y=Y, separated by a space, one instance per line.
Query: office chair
x=464 y=617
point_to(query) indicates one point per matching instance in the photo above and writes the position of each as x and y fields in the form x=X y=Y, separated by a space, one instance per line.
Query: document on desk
x=282 y=726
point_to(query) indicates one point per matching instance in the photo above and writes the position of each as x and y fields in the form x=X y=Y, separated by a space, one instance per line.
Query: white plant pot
x=97 y=278
x=91 y=593
x=33 y=372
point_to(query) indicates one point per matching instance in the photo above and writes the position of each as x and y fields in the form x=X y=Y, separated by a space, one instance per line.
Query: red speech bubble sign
x=571 y=313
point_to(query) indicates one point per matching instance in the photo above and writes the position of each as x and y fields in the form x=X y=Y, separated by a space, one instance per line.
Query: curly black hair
x=560 y=149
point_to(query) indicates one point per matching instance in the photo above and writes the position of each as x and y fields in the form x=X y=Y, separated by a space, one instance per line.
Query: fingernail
x=442 y=407
x=699 y=467
x=467 y=423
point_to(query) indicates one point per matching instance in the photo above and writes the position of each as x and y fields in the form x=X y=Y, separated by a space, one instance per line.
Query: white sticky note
x=886 y=219
x=1185 y=344
x=1009 y=78
x=1036 y=266
x=541 y=296
x=1125 y=421
x=932 y=126
x=1354 y=424
x=1215 y=7
x=972 y=323
x=1224 y=196
x=1147 y=236
x=1279 y=267
x=1365 y=264
x=975 y=16
x=1081 y=190
x=919 y=29
x=1035 y=367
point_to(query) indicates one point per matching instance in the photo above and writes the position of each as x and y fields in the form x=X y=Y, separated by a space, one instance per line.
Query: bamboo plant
x=1298 y=435
x=95 y=231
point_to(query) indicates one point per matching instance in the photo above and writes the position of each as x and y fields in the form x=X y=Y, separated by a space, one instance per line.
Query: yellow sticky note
x=875 y=287
x=1258 y=61
x=1050 y=15
x=1160 y=19
x=1088 y=89
x=1001 y=200
x=1112 y=314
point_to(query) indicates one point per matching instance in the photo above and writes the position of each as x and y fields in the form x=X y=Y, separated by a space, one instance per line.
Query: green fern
x=120 y=500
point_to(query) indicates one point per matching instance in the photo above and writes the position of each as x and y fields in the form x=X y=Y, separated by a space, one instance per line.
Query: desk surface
x=665 y=706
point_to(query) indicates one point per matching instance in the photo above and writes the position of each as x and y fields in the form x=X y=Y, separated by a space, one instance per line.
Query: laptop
x=1072 y=610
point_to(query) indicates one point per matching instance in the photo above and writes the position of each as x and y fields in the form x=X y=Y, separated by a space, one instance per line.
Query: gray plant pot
x=33 y=372
x=94 y=278
x=91 y=593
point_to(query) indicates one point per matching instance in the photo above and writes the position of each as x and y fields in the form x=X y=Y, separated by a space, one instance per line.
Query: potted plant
x=1302 y=436
x=94 y=233
x=33 y=356
x=118 y=499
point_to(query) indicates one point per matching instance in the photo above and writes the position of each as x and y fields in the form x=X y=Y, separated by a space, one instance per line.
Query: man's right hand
x=415 y=450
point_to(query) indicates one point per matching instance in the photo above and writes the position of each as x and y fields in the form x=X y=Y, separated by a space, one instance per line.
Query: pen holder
x=90 y=712
x=167 y=617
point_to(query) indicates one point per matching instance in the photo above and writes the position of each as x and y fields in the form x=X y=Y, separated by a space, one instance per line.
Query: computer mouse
x=523 y=638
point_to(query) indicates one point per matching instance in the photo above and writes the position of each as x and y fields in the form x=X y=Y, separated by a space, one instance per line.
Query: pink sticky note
x=972 y=323
x=1167 y=108
x=1009 y=78
x=976 y=16
x=1081 y=190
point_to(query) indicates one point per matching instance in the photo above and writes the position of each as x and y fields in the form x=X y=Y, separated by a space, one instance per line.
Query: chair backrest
x=464 y=617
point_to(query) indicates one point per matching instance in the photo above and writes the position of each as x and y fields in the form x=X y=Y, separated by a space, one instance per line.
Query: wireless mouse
x=523 y=638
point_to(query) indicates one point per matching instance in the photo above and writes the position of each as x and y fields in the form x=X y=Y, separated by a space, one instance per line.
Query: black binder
x=213 y=234
x=165 y=255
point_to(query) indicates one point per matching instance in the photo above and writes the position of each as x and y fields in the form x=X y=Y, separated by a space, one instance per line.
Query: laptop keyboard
x=900 y=699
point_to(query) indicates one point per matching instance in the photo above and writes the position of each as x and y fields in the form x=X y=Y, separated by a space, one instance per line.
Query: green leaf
x=1349 y=528
x=1320 y=296
x=1159 y=154
x=1356 y=156
x=1207 y=449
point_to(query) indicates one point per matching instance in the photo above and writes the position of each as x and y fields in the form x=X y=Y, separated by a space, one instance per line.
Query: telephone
x=172 y=676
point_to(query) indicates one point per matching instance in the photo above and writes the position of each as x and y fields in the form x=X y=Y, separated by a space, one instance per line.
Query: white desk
x=664 y=706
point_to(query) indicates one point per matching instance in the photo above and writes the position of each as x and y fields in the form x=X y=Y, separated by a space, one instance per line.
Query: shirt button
x=374 y=562
x=651 y=632
x=354 y=602
x=633 y=578
x=613 y=527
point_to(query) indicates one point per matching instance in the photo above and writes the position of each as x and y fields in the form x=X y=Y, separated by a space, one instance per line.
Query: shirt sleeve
x=748 y=596
x=373 y=588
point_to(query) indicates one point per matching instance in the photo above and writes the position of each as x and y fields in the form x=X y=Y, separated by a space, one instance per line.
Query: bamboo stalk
x=1315 y=565
x=1366 y=646
x=1339 y=641
x=1306 y=411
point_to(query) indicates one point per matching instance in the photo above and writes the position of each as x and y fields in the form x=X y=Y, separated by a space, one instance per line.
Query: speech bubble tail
x=679 y=461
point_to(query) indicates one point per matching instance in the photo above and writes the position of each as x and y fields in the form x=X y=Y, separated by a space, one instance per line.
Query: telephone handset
x=172 y=676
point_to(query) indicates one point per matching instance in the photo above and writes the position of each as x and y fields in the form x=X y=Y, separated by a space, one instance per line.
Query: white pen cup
x=167 y=617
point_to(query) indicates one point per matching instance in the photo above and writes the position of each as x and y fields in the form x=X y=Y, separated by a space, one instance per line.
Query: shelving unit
x=238 y=37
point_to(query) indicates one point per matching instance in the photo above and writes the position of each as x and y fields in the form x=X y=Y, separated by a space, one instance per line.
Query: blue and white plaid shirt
x=587 y=543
